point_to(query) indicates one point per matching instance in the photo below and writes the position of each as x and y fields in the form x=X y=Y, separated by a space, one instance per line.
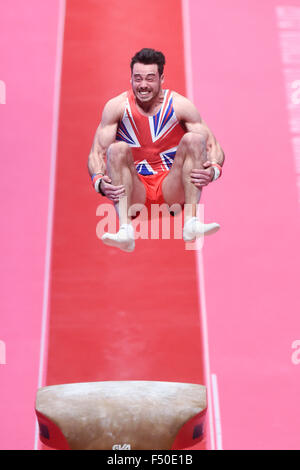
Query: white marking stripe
x=206 y=359
x=56 y=103
x=200 y=264
x=187 y=49
x=218 y=427
x=288 y=22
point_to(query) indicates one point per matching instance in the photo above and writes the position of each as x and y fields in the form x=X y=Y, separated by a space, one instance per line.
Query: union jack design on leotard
x=164 y=121
x=127 y=129
x=153 y=139
x=167 y=157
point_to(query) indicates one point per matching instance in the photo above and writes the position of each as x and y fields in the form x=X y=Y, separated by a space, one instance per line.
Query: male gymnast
x=152 y=147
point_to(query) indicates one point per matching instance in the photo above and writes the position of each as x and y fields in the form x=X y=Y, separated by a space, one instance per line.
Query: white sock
x=193 y=229
x=123 y=239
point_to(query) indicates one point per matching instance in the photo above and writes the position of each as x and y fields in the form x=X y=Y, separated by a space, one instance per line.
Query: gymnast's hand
x=202 y=177
x=110 y=191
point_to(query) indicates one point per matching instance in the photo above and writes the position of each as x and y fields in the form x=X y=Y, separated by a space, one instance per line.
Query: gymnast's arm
x=105 y=135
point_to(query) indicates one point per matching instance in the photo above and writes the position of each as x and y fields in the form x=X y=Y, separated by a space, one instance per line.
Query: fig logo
x=296 y=353
x=2 y=92
x=121 y=447
x=296 y=93
x=2 y=352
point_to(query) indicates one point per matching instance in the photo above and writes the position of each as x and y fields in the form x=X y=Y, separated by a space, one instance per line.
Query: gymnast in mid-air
x=152 y=147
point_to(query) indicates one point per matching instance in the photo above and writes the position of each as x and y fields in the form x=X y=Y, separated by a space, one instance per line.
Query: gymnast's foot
x=123 y=239
x=193 y=229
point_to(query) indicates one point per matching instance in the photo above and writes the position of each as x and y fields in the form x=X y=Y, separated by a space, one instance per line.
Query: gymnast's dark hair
x=149 y=56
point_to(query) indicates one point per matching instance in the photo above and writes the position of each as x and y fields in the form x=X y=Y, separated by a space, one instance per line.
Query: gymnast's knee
x=118 y=152
x=195 y=139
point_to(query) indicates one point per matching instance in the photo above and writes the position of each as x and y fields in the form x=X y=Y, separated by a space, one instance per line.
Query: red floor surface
x=113 y=315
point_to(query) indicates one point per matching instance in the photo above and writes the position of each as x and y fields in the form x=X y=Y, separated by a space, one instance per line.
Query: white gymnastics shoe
x=193 y=229
x=123 y=239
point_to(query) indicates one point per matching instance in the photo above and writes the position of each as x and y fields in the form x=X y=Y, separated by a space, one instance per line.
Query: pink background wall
x=27 y=66
x=252 y=266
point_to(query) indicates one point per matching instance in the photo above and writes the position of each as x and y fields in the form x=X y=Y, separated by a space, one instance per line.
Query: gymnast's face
x=146 y=82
